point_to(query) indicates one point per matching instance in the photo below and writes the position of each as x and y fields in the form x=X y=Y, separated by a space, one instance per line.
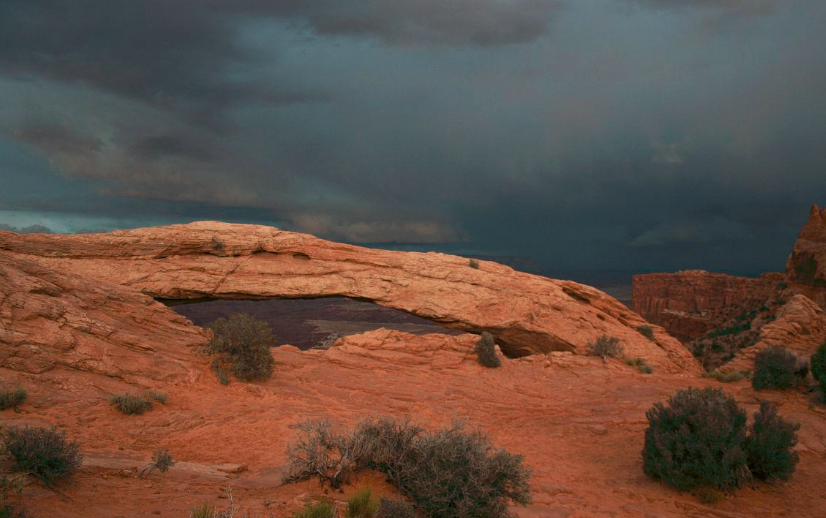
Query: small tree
x=244 y=342
x=486 y=351
x=43 y=453
x=769 y=446
x=646 y=331
x=774 y=367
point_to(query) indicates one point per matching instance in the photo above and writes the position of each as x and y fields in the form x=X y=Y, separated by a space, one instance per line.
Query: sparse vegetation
x=473 y=263
x=243 y=342
x=317 y=510
x=639 y=364
x=769 y=446
x=160 y=397
x=13 y=398
x=646 y=331
x=486 y=351
x=395 y=509
x=220 y=371
x=42 y=452
x=451 y=472
x=727 y=377
x=217 y=244
x=362 y=504
x=774 y=367
x=202 y=510
x=130 y=404
x=700 y=440
x=161 y=461
x=818 y=368
x=10 y=505
x=606 y=346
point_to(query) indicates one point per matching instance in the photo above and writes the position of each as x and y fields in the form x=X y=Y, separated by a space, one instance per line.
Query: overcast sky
x=597 y=134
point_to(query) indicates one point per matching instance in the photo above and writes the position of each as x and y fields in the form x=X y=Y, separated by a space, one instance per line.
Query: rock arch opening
x=309 y=322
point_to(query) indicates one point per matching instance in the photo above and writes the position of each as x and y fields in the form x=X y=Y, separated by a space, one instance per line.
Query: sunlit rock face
x=527 y=314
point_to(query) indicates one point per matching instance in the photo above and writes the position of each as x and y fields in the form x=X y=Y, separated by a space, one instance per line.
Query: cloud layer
x=613 y=133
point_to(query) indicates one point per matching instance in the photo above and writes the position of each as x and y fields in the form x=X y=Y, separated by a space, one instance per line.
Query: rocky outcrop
x=526 y=313
x=689 y=304
x=800 y=326
x=807 y=262
x=51 y=320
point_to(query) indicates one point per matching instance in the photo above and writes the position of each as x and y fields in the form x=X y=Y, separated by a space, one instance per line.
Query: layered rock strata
x=526 y=313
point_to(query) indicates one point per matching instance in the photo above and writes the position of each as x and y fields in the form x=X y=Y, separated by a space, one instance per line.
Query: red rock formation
x=52 y=320
x=807 y=262
x=800 y=326
x=526 y=313
x=687 y=303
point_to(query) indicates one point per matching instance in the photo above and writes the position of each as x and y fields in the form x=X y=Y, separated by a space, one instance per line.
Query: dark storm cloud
x=610 y=130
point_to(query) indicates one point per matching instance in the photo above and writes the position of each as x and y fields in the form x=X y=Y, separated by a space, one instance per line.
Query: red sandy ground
x=578 y=422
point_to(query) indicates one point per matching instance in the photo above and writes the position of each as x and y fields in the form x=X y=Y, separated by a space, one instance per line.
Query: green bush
x=639 y=364
x=818 y=368
x=317 y=510
x=451 y=472
x=696 y=440
x=646 y=331
x=129 y=404
x=700 y=440
x=605 y=346
x=769 y=446
x=774 y=367
x=43 y=453
x=473 y=263
x=395 y=509
x=244 y=342
x=486 y=351
x=362 y=504
x=160 y=397
x=13 y=398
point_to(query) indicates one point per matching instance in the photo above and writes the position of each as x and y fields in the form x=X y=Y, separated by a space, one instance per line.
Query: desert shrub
x=130 y=404
x=696 y=440
x=727 y=377
x=220 y=371
x=160 y=397
x=451 y=472
x=774 y=367
x=43 y=453
x=13 y=398
x=818 y=368
x=317 y=510
x=473 y=263
x=605 y=346
x=244 y=342
x=362 y=504
x=639 y=364
x=646 y=331
x=202 y=510
x=709 y=495
x=458 y=473
x=161 y=461
x=486 y=351
x=323 y=453
x=386 y=445
x=10 y=506
x=769 y=445
x=395 y=509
